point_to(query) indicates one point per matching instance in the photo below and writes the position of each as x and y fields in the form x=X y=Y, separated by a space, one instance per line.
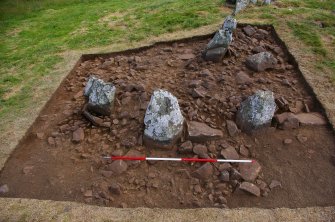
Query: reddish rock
x=250 y=188
x=258 y=49
x=204 y=172
x=301 y=138
x=274 y=184
x=200 y=132
x=242 y=78
x=194 y=83
x=88 y=193
x=201 y=151
x=287 y=141
x=313 y=118
x=51 y=141
x=250 y=171
x=115 y=188
x=27 y=169
x=230 y=153
x=40 y=136
x=78 y=135
x=232 y=128
x=244 y=151
x=186 y=56
x=287 y=120
x=199 y=92
x=249 y=30
x=186 y=147
x=224 y=166
x=118 y=166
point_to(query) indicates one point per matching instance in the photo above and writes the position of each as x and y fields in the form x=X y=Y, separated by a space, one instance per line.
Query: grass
x=35 y=33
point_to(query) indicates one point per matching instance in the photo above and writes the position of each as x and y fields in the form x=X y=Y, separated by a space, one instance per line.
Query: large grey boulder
x=261 y=61
x=256 y=111
x=163 y=120
x=100 y=96
x=267 y=2
x=218 y=46
x=240 y=5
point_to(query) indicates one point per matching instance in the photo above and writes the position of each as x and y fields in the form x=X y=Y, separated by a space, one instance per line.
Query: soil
x=47 y=164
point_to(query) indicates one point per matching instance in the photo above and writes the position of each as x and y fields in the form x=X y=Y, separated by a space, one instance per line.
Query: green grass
x=34 y=33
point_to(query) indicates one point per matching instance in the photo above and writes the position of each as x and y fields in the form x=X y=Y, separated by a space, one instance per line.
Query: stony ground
x=63 y=147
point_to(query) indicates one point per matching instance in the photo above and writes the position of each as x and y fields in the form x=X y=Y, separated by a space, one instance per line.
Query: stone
x=40 y=136
x=244 y=151
x=200 y=132
x=240 y=5
x=224 y=176
x=114 y=188
x=258 y=49
x=287 y=141
x=199 y=92
x=78 y=135
x=311 y=119
x=249 y=30
x=256 y=111
x=250 y=188
x=200 y=150
x=186 y=56
x=218 y=46
x=250 y=171
x=243 y=79
x=163 y=120
x=230 y=153
x=4 y=189
x=51 y=141
x=100 y=96
x=232 y=128
x=186 y=147
x=27 y=169
x=267 y=2
x=235 y=174
x=301 y=138
x=118 y=167
x=261 y=61
x=88 y=193
x=204 y=172
x=274 y=184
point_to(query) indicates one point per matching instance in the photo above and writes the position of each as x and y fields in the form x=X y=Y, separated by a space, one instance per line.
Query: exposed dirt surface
x=60 y=158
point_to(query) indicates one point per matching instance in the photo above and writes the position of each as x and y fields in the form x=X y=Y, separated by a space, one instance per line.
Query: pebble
x=200 y=132
x=4 y=189
x=88 y=193
x=78 y=135
x=232 y=128
x=250 y=171
x=224 y=176
x=301 y=138
x=201 y=151
x=118 y=166
x=250 y=188
x=230 y=153
x=186 y=147
x=274 y=184
x=115 y=188
x=287 y=141
x=204 y=172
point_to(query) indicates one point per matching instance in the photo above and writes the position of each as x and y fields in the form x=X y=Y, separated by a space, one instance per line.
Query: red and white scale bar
x=143 y=158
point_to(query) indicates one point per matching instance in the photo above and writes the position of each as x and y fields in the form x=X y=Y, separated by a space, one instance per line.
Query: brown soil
x=67 y=171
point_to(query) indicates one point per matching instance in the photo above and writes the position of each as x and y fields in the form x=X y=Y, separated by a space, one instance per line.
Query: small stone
x=27 y=169
x=88 y=193
x=224 y=176
x=311 y=119
x=186 y=56
x=197 y=188
x=51 y=141
x=199 y=92
x=115 y=188
x=4 y=189
x=186 y=147
x=40 y=136
x=258 y=49
x=201 y=151
x=301 y=138
x=261 y=61
x=118 y=166
x=244 y=151
x=243 y=79
x=78 y=135
x=133 y=153
x=230 y=153
x=287 y=141
x=232 y=128
x=222 y=200
x=235 y=174
x=200 y=132
x=204 y=172
x=249 y=30
x=274 y=184
x=224 y=166
x=250 y=171
x=250 y=188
